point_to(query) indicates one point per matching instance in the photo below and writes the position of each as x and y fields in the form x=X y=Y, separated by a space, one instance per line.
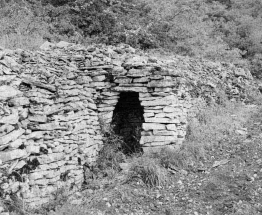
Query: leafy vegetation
x=221 y=30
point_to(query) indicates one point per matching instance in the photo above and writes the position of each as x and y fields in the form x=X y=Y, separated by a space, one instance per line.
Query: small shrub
x=171 y=159
x=149 y=171
x=111 y=154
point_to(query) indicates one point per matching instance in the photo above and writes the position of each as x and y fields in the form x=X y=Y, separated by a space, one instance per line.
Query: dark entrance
x=128 y=119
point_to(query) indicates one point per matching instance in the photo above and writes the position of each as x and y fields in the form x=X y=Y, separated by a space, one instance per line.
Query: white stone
x=44 y=159
x=15 y=144
x=150 y=139
x=62 y=44
x=11 y=155
x=99 y=78
x=148 y=108
x=167 y=115
x=33 y=149
x=7 y=92
x=110 y=94
x=111 y=102
x=159 y=143
x=123 y=80
x=5 y=129
x=36 y=175
x=140 y=80
x=162 y=120
x=46 y=45
x=169 y=109
x=145 y=95
x=161 y=90
x=161 y=101
x=11 y=119
x=151 y=114
x=105 y=109
x=20 y=101
x=20 y=164
x=171 y=127
x=153 y=126
x=11 y=136
x=153 y=111
x=130 y=89
x=164 y=133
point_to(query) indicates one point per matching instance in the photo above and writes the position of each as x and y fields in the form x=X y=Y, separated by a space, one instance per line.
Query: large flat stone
x=159 y=143
x=12 y=155
x=44 y=159
x=171 y=109
x=105 y=109
x=153 y=126
x=141 y=80
x=137 y=73
x=164 y=133
x=150 y=139
x=166 y=115
x=164 y=101
x=20 y=101
x=47 y=127
x=38 y=118
x=99 y=78
x=123 y=80
x=130 y=89
x=162 y=120
x=11 y=136
x=149 y=114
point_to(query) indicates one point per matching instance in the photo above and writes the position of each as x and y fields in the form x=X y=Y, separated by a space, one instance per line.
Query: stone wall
x=51 y=102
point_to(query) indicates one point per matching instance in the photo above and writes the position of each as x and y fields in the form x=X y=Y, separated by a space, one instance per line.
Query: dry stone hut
x=54 y=102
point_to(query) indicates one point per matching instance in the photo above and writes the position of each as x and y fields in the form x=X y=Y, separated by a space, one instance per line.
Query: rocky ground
x=227 y=181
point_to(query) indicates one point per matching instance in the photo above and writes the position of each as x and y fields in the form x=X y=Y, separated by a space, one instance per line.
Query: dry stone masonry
x=53 y=103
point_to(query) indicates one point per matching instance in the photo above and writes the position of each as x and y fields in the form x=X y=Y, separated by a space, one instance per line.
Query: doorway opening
x=127 y=121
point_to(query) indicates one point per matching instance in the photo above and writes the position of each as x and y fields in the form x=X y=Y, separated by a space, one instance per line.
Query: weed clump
x=110 y=155
x=149 y=170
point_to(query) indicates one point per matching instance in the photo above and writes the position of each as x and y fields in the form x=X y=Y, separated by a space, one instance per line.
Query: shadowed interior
x=128 y=119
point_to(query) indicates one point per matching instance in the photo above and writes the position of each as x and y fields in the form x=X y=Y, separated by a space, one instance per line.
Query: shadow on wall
x=127 y=121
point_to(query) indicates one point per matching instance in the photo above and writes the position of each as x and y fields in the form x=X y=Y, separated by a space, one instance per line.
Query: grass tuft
x=149 y=171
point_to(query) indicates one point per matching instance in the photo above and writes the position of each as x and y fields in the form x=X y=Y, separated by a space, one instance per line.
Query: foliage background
x=220 y=30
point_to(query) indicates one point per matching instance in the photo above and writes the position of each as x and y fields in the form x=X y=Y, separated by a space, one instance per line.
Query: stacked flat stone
x=54 y=101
